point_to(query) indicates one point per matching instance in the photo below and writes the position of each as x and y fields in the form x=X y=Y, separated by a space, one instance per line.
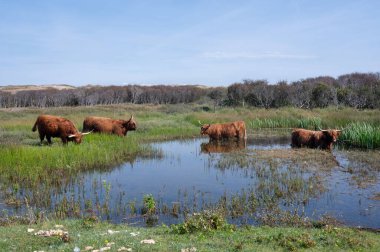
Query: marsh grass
x=290 y=117
x=33 y=163
x=361 y=135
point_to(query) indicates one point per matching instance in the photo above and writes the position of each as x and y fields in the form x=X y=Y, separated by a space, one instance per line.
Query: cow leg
x=42 y=136
x=64 y=140
x=48 y=138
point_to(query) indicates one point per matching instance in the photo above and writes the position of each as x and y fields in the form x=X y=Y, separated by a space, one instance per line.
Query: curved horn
x=87 y=133
x=199 y=121
x=131 y=117
x=71 y=136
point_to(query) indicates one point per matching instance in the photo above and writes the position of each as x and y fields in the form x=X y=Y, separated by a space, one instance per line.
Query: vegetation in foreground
x=90 y=234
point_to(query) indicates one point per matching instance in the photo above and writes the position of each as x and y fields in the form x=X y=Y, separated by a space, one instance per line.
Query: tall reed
x=361 y=135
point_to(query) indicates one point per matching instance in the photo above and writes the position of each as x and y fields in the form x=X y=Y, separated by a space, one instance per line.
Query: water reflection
x=223 y=146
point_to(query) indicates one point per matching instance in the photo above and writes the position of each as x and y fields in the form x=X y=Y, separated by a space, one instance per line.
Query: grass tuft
x=361 y=135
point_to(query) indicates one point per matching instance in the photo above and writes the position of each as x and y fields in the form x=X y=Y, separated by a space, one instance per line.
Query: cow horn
x=87 y=133
x=131 y=117
x=199 y=121
x=71 y=136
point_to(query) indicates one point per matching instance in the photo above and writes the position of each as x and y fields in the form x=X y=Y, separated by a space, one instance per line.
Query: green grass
x=306 y=123
x=98 y=235
x=361 y=135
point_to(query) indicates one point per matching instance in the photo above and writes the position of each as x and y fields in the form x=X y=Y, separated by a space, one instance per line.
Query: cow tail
x=35 y=126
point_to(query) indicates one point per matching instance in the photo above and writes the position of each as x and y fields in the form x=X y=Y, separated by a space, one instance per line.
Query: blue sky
x=185 y=42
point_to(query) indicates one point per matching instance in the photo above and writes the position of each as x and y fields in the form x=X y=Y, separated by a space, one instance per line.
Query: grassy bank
x=101 y=235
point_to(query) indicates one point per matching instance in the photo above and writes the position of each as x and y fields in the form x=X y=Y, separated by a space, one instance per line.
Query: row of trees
x=87 y=96
x=354 y=90
x=358 y=90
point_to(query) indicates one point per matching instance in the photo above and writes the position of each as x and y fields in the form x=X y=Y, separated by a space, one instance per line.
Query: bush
x=205 y=221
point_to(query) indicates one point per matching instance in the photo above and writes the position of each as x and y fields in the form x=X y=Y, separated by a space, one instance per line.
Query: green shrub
x=205 y=221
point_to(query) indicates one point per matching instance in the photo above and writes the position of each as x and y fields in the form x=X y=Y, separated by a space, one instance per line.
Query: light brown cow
x=225 y=130
x=322 y=139
x=54 y=126
x=108 y=125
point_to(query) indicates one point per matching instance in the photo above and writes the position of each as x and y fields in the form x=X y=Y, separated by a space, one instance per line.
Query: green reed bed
x=288 y=117
x=306 y=123
x=34 y=163
x=361 y=135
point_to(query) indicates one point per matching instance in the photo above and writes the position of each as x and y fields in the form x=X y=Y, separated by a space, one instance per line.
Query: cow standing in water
x=108 y=125
x=323 y=139
x=220 y=131
x=54 y=126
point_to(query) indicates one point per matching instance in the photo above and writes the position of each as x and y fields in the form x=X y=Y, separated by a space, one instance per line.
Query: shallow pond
x=252 y=181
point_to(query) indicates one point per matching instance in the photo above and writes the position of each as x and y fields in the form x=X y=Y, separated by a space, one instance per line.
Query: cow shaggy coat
x=54 y=126
x=108 y=125
x=225 y=130
x=322 y=139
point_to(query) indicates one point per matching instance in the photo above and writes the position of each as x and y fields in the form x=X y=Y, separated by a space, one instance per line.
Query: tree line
x=358 y=90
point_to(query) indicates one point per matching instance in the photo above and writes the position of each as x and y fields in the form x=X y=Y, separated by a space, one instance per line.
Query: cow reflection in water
x=214 y=146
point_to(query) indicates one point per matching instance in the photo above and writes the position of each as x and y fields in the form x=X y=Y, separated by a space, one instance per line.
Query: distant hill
x=14 y=89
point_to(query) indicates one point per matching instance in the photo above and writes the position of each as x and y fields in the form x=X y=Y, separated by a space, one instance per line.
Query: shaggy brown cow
x=222 y=146
x=225 y=130
x=55 y=126
x=108 y=125
x=322 y=139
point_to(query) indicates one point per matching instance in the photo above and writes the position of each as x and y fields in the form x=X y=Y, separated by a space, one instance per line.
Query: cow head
x=77 y=138
x=130 y=124
x=204 y=129
x=332 y=135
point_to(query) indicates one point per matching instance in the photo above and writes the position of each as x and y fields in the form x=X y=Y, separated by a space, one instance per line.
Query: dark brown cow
x=108 y=125
x=222 y=146
x=225 y=130
x=322 y=139
x=55 y=126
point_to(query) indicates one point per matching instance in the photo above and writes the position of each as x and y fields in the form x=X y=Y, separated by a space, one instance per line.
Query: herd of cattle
x=53 y=126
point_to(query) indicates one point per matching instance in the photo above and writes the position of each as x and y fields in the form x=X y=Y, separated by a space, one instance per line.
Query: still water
x=248 y=179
